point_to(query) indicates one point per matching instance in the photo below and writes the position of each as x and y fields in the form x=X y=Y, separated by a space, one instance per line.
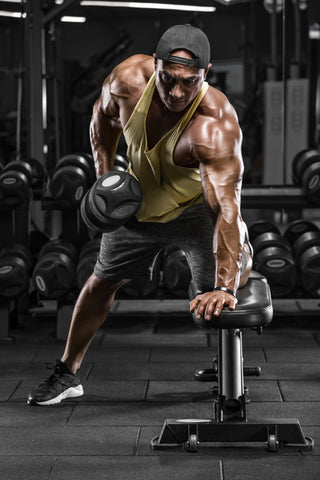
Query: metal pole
x=33 y=40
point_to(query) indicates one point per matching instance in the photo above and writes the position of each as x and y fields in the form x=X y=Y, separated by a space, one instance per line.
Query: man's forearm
x=228 y=247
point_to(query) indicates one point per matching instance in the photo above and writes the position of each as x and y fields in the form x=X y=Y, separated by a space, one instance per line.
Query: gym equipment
x=39 y=175
x=297 y=228
x=54 y=273
x=73 y=176
x=176 y=271
x=120 y=163
x=307 y=256
x=87 y=259
x=15 y=183
x=306 y=172
x=270 y=239
x=259 y=227
x=111 y=202
x=230 y=423
x=15 y=269
x=278 y=266
x=273 y=258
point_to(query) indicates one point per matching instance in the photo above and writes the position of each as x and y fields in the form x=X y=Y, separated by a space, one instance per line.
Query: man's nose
x=176 y=91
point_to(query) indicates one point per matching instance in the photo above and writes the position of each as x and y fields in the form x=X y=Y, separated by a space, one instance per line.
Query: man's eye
x=190 y=82
x=166 y=79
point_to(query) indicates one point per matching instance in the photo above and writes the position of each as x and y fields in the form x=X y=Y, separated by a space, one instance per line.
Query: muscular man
x=184 y=147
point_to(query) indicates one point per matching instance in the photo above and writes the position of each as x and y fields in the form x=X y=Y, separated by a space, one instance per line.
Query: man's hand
x=212 y=303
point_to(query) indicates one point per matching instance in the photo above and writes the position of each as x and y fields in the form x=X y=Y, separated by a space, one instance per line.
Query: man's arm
x=105 y=129
x=221 y=169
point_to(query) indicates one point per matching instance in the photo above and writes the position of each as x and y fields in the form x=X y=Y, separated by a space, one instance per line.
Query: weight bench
x=229 y=422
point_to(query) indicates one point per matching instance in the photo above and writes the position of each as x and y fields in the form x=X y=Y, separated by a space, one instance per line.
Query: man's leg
x=90 y=312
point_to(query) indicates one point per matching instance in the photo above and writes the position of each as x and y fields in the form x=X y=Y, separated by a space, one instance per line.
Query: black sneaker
x=60 y=385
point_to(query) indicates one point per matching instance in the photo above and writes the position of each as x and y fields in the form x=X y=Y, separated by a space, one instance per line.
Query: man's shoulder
x=132 y=73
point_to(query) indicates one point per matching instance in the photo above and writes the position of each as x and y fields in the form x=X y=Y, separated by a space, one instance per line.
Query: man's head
x=181 y=65
x=184 y=37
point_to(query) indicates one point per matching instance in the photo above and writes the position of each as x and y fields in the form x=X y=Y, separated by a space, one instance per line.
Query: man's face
x=178 y=85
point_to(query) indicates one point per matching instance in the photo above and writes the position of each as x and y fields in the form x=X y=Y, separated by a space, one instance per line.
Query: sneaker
x=60 y=385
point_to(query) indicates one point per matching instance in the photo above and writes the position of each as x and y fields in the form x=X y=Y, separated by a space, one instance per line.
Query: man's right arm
x=105 y=130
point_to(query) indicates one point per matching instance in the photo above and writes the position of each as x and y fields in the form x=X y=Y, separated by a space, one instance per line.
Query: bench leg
x=230 y=404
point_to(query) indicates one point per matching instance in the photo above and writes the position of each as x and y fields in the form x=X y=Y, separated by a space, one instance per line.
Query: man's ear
x=207 y=70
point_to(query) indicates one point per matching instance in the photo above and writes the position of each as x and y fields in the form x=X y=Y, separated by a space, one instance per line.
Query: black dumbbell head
x=278 y=266
x=304 y=242
x=15 y=182
x=311 y=182
x=270 y=239
x=112 y=201
x=120 y=163
x=297 y=228
x=301 y=162
x=261 y=226
x=15 y=267
x=310 y=270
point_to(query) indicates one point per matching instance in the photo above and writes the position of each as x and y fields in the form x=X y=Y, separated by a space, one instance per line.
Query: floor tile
x=136 y=468
x=271 y=468
x=300 y=390
x=22 y=467
x=68 y=440
x=136 y=413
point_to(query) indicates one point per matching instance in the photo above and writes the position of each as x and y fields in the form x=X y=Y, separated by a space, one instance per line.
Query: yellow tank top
x=167 y=188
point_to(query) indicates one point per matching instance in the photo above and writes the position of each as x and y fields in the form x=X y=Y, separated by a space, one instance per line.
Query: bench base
x=273 y=433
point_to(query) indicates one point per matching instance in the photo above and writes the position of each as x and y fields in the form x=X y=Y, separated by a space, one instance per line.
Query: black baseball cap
x=184 y=37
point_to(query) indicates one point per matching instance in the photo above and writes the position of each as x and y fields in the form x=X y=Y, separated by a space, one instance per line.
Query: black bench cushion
x=254 y=308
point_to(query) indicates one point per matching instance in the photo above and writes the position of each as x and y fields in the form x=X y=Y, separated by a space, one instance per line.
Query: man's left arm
x=221 y=169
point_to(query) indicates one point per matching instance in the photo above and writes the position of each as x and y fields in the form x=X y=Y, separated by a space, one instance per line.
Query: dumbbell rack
x=14 y=229
x=280 y=198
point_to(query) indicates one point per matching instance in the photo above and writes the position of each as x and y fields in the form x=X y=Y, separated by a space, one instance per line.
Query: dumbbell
x=273 y=258
x=307 y=256
x=306 y=172
x=120 y=163
x=111 y=202
x=87 y=259
x=298 y=228
x=39 y=174
x=261 y=226
x=15 y=183
x=54 y=273
x=15 y=269
x=73 y=176
x=176 y=271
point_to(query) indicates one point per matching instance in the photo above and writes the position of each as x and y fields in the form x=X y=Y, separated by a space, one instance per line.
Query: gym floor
x=138 y=372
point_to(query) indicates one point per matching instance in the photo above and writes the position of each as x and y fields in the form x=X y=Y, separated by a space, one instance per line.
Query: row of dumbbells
x=74 y=175
x=60 y=269
x=72 y=178
x=290 y=260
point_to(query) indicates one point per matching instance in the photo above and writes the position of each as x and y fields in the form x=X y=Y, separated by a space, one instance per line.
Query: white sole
x=71 y=392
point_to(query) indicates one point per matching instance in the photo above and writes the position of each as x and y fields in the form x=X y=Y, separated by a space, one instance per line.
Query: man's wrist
x=225 y=289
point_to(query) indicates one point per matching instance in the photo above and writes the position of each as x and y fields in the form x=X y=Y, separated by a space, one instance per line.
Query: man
x=184 y=147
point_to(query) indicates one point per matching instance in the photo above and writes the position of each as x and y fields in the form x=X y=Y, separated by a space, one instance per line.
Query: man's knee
x=103 y=286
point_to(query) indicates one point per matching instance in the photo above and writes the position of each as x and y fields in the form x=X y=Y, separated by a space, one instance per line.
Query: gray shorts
x=130 y=250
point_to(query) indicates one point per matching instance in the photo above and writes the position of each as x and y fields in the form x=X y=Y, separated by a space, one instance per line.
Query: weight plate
x=305 y=241
x=310 y=270
x=301 y=162
x=278 y=266
x=261 y=226
x=297 y=228
x=270 y=239
x=311 y=182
